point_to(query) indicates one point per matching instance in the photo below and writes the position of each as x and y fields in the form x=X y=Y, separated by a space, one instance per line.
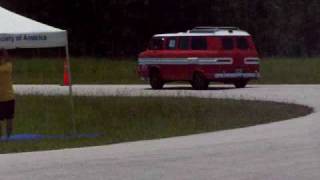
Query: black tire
x=241 y=84
x=155 y=80
x=199 y=82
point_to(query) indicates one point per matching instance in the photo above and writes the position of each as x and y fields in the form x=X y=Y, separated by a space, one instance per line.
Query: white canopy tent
x=17 y=31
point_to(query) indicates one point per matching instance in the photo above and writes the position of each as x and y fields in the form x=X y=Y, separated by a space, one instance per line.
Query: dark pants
x=7 y=110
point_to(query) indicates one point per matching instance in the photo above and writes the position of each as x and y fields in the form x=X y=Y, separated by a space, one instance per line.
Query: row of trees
x=123 y=28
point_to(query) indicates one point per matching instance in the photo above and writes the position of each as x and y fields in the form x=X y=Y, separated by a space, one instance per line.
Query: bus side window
x=227 y=43
x=156 y=44
x=242 y=43
x=199 y=43
x=184 y=43
x=171 y=43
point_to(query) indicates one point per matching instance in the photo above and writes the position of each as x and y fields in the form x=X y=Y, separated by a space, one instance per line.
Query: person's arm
x=7 y=57
x=5 y=67
x=2 y=67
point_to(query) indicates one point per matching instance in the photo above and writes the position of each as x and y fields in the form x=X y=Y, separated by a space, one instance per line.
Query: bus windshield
x=156 y=44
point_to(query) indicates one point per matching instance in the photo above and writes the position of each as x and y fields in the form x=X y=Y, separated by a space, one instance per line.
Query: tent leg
x=74 y=131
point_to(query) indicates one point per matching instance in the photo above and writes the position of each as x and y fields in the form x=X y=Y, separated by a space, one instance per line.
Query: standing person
x=7 y=99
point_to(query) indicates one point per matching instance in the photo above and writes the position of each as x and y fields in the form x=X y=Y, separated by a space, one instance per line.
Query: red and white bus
x=200 y=56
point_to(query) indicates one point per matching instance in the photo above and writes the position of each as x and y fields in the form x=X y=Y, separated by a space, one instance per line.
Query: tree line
x=121 y=28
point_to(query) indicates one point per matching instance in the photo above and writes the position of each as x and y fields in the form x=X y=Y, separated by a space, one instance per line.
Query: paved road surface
x=288 y=150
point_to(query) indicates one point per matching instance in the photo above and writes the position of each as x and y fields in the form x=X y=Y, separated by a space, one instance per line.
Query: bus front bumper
x=237 y=75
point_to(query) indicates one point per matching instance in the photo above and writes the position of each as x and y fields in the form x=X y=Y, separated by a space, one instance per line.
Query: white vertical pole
x=70 y=90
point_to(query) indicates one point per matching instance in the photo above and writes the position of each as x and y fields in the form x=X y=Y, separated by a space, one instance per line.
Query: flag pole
x=70 y=89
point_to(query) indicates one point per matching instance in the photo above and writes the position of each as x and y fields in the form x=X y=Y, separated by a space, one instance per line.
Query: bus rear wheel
x=241 y=84
x=199 y=82
x=155 y=80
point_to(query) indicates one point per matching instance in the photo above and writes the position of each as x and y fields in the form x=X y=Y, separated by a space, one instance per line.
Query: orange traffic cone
x=66 y=80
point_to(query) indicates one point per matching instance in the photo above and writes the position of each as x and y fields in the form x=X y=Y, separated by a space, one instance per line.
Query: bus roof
x=213 y=33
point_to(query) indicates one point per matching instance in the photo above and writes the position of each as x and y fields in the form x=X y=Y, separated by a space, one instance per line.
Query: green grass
x=290 y=71
x=102 y=71
x=84 y=71
x=123 y=119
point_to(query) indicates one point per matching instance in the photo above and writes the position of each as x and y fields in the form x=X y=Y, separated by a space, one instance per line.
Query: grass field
x=102 y=71
x=122 y=119
x=84 y=71
x=290 y=71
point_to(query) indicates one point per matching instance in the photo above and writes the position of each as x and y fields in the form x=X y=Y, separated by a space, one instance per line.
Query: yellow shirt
x=6 y=87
